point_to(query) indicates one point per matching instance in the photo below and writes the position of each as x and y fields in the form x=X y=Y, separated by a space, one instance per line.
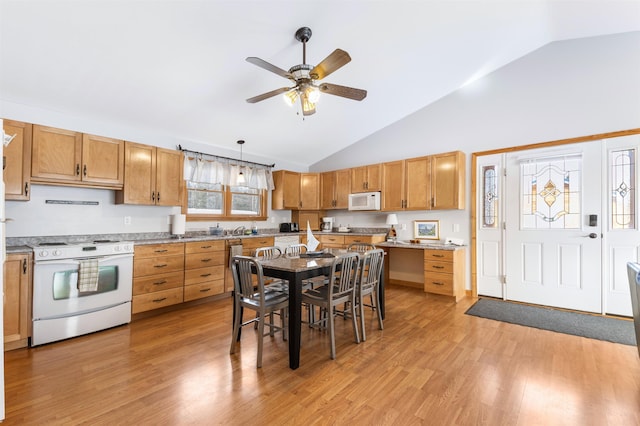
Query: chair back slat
x=268 y=252
x=296 y=249
x=247 y=276
x=360 y=247
x=344 y=273
x=371 y=269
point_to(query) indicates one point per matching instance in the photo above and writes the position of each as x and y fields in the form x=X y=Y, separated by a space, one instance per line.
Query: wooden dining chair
x=369 y=284
x=250 y=293
x=340 y=290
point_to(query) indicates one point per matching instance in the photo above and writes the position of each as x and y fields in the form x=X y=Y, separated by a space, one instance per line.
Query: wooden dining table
x=297 y=269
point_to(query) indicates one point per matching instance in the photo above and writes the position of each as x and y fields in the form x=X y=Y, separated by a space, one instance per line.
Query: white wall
x=563 y=90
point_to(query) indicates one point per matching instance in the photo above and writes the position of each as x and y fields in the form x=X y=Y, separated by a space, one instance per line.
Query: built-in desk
x=436 y=268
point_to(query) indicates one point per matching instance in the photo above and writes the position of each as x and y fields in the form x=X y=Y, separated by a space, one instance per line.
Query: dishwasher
x=284 y=241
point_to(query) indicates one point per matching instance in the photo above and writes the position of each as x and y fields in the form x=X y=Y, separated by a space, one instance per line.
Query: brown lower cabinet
x=330 y=240
x=17 y=300
x=203 y=269
x=158 y=276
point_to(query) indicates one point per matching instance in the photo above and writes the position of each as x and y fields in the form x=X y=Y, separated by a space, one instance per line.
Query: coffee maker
x=327 y=224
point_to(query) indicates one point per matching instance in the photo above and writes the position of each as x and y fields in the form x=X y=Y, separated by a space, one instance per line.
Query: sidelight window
x=622 y=166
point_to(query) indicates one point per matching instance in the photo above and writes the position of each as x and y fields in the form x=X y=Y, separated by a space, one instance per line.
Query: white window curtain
x=226 y=172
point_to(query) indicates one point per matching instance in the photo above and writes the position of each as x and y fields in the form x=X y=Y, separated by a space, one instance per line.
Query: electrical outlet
x=127 y=220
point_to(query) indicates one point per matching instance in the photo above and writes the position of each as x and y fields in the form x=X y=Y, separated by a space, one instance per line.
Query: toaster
x=289 y=227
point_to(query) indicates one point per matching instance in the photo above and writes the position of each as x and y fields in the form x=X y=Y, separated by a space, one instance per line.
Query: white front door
x=622 y=240
x=552 y=250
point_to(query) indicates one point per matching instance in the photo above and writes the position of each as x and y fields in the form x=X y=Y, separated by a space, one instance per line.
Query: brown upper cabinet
x=435 y=182
x=17 y=161
x=65 y=157
x=335 y=188
x=366 y=178
x=448 y=180
x=152 y=176
x=407 y=184
x=295 y=191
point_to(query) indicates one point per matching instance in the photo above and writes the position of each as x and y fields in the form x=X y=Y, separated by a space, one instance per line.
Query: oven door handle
x=76 y=261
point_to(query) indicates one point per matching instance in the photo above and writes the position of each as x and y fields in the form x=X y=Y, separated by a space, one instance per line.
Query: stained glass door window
x=550 y=193
x=623 y=189
x=489 y=196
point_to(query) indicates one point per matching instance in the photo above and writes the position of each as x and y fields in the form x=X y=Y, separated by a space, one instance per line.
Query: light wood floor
x=431 y=365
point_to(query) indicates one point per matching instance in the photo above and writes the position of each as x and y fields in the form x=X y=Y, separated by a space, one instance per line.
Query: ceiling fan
x=305 y=77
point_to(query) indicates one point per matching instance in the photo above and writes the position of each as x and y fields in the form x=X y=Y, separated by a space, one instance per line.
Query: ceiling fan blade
x=269 y=67
x=268 y=95
x=337 y=59
x=344 y=91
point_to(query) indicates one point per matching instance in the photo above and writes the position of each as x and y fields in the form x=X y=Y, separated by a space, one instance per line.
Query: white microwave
x=364 y=201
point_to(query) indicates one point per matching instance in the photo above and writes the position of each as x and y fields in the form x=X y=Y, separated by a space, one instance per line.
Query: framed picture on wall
x=426 y=229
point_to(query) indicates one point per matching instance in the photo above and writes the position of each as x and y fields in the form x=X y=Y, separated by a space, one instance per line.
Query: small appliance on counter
x=327 y=224
x=289 y=227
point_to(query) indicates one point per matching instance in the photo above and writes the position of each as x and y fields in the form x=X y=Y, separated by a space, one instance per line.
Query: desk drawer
x=439 y=255
x=158 y=299
x=438 y=283
x=438 y=267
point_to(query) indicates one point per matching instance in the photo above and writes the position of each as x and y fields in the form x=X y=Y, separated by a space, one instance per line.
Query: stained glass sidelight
x=489 y=197
x=623 y=191
x=551 y=193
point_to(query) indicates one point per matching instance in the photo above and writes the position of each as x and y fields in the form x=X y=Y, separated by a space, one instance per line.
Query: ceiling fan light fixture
x=313 y=94
x=290 y=97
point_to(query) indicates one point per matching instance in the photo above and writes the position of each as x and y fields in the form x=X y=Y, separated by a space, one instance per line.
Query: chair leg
x=236 y=329
x=332 y=331
x=375 y=293
x=354 y=320
x=260 y=339
x=361 y=308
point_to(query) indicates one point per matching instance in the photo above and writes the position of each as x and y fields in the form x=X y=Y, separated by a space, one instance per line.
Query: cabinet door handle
x=84 y=171
x=153 y=196
x=437 y=255
x=163 y=265
x=160 y=251
x=160 y=282
x=158 y=198
x=26 y=188
x=24 y=266
x=437 y=283
x=204 y=290
x=78 y=169
x=205 y=275
x=205 y=247
x=159 y=300
x=205 y=260
x=437 y=267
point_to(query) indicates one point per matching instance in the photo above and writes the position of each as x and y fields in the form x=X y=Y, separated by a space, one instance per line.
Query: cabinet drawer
x=158 y=299
x=357 y=239
x=437 y=266
x=153 y=283
x=158 y=265
x=254 y=243
x=198 y=291
x=201 y=260
x=154 y=250
x=438 y=283
x=194 y=276
x=203 y=246
x=330 y=239
x=440 y=255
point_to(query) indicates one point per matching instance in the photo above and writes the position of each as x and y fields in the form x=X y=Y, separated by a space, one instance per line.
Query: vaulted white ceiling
x=178 y=68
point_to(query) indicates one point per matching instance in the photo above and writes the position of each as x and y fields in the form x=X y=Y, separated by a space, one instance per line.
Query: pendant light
x=241 y=179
